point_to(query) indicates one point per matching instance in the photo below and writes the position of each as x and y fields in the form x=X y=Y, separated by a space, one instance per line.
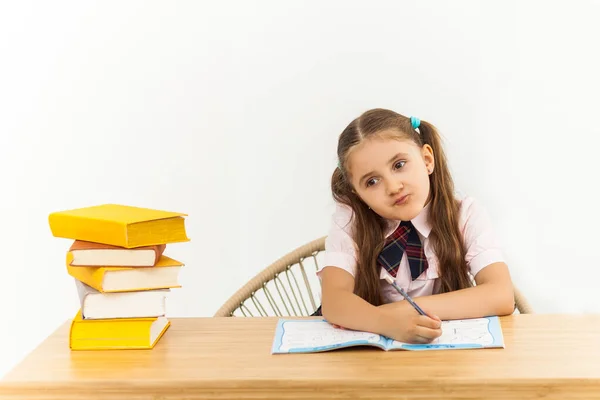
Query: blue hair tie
x=416 y=122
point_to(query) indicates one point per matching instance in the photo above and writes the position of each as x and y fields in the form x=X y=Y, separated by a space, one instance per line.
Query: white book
x=140 y=304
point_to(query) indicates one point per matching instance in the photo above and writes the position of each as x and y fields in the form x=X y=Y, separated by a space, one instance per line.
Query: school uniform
x=416 y=274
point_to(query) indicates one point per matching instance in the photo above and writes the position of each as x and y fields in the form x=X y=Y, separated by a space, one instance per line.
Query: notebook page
x=475 y=332
x=318 y=335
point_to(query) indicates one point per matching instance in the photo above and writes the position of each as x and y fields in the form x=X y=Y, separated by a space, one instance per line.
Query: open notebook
x=316 y=335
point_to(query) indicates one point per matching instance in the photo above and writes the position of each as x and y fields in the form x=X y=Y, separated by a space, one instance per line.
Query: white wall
x=230 y=112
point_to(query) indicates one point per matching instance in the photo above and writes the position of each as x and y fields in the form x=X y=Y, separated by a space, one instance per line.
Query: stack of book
x=122 y=275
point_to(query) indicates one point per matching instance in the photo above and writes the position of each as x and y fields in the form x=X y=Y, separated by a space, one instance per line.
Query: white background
x=230 y=112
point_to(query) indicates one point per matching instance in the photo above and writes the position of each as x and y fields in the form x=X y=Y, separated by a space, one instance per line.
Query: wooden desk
x=229 y=358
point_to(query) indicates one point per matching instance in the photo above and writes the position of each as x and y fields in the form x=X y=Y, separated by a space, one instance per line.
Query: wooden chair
x=290 y=287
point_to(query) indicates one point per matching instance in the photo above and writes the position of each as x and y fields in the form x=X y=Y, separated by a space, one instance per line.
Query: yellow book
x=164 y=275
x=122 y=333
x=119 y=225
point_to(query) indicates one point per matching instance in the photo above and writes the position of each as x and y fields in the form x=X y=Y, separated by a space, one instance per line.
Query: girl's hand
x=404 y=324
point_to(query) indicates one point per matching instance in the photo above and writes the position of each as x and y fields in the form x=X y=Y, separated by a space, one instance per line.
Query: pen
x=391 y=281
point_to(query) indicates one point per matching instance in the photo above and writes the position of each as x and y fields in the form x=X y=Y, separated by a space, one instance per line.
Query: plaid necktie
x=404 y=239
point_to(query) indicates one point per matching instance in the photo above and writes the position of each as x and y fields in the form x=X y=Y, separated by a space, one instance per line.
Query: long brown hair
x=369 y=228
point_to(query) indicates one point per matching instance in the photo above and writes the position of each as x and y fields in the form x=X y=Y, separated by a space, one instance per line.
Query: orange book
x=99 y=254
x=120 y=333
x=164 y=275
x=119 y=225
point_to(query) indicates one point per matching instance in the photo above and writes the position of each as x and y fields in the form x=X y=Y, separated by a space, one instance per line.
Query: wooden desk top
x=549 y=356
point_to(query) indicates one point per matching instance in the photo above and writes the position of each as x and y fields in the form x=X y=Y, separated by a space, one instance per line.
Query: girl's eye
x=399 y=164
x=371 y=182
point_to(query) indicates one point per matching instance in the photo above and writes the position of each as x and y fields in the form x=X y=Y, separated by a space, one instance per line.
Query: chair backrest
x=290 y=287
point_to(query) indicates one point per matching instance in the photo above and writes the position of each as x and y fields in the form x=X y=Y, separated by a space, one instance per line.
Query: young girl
x=397 y=214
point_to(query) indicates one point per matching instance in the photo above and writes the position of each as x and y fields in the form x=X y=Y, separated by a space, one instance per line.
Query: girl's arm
x=340 y=306
x=493 y=295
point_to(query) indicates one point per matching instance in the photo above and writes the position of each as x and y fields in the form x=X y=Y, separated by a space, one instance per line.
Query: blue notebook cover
x=317 y=335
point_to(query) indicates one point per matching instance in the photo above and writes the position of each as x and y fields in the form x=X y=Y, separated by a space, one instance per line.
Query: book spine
x=158 y=251
x=91 y=230
x=91 y=276
x=83 y=291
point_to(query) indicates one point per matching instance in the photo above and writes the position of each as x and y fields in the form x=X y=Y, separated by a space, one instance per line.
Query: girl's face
x=391 y=176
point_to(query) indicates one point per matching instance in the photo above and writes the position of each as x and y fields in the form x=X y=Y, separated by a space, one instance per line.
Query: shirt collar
x=420 y=222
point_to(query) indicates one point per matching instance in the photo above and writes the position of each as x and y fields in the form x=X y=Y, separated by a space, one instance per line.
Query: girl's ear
x=428 y=157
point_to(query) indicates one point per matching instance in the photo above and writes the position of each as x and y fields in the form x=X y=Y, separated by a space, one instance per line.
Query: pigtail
x=443 y=214
x=368 y=234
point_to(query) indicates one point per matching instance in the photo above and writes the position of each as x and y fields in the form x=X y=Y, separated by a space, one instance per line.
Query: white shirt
x=482 y=248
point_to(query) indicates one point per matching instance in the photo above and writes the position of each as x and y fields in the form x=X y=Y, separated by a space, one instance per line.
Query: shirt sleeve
x=482 y=245
x=340 y=248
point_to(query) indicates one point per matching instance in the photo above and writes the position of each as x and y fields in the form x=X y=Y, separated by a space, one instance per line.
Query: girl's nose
x=393 y=186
